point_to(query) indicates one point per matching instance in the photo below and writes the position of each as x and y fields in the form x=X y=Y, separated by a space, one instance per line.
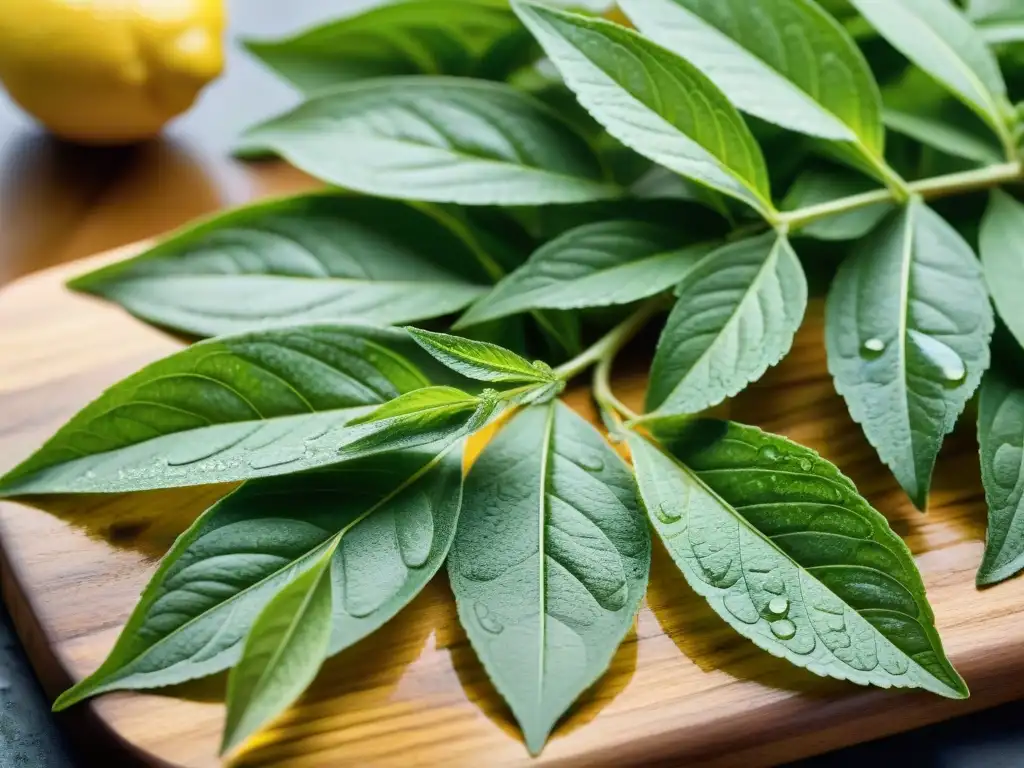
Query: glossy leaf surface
x=907 y=329
x=944 y=136
x=595 y=265
x=465 y=38
x=282 y=652
x=451 y=140
x=1001 y=438
x=227 y=409
x=396 y=515
x=1002 y=257
x=785 y=61
x=940 y=40
x=550 y=562
x=784 y=549
x=301 y=259
x=736 y=314
x=480 y=359
x=653 y=101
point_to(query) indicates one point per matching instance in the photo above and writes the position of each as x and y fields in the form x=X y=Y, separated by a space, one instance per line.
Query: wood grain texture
x=683 y=689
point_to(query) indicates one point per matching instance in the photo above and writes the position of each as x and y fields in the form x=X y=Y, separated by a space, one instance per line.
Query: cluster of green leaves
x=529 y=182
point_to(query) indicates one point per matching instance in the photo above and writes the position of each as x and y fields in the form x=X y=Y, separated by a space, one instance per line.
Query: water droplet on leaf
x=778 y=606
x=768 y=453
x=665 y=514
x=806 y=465
x=783 y=629
x=942 y=358
x=872 y=348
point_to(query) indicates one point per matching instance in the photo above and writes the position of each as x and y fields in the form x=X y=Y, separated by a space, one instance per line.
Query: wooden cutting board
x=683 y=688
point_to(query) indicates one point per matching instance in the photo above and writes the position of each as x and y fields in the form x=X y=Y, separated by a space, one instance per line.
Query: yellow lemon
x=108 y=71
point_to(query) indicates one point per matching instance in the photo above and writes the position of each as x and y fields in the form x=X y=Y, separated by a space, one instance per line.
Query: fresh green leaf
x=1002 y=258
x=907 y=328
x=479 y=359
x=549 y=563
x=439 y=139
x=418 y=37
x=940 y=40
x=419 y=417
x=283 y=651
x=1000 y=33
x=654 y=102
x=994 y=10
x=232 y=408
x=822 y=185
x=1001 y=438
x=596 y=265
x=943 y=136
x=396 y=515
x=737 y=312
x=785 y=61
x=421 y=401
x=301 y=259
x=784 y=549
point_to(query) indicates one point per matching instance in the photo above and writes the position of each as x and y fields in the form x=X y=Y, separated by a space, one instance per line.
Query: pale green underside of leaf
x=282 y=652
x=299 y=259
x=233 y=408
x=736 y=314
x=784 y=549
x=438 y=139
x=1002 y=258
x=821 y=185
x=1001 y=437
x=654 y=102
x=993 y=10
x=936 y=36
x=550 y=562
x=907 y=328
x=595 y=265
x=436 y=37
x=479 y=359
x=943 y=136
x=1002 y=33
x=398 y=515
x=785 y=61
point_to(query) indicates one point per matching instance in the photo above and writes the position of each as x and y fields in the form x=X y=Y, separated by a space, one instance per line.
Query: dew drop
x=942 y=358
x=90 y=475
x=274 y=459
x=665 y=515
x=592 y=463
x=768 y=453
x=778 y=606
x=806 y=465
x=486 y=620
x=872 y=348
x=783 y=629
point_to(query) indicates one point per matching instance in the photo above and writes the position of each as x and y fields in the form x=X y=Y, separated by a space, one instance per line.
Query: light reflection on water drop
x=778 y=606
x=783 y=629
x=872 y=348
x=941 y=358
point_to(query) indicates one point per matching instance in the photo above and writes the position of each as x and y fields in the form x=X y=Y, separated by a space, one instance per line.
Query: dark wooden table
x=60 y=202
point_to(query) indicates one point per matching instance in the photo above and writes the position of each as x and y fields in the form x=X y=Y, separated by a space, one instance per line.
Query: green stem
x=602 y=389
x=929 y=189
x=611 y=342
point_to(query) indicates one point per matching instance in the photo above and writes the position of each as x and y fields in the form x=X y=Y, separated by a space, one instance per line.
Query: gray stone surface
x=29 y=738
